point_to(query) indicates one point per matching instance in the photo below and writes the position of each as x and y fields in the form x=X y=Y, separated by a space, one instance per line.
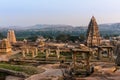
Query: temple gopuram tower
x=11 y=36
x=93 y=35
x=5 y=46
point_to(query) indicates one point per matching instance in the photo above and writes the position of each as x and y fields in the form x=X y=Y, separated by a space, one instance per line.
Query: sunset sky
x=71 y=12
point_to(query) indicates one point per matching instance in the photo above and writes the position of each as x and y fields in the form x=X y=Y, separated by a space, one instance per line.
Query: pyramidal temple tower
x=11 y=36
x=93 y=35
x=5 y=46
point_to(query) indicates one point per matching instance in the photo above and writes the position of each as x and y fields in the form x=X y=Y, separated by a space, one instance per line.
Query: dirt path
x=51 y=73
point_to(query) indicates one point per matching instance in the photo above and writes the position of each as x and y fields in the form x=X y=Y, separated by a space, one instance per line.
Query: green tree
x=32 y=38
x=63 y=37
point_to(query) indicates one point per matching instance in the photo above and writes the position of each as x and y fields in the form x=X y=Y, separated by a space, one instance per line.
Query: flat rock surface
x=105 y=71
x=51 y=73
x=13 y=78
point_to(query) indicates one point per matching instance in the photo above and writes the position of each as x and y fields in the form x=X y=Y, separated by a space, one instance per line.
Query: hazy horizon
x=68 y=12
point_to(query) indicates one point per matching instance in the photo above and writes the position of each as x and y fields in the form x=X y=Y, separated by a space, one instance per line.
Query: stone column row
x=27 y=51
x=57 y=52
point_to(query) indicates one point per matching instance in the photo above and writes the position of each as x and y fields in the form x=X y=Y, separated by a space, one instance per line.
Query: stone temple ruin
x=11 y=36
x=93 y=35
x=93 y=40
x=5 y=46
x=52 y=51
x=117 y=52
x=29 y=50
x=84 y=54
x=81 y=57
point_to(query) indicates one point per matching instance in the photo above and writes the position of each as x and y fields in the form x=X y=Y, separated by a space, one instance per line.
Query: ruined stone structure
x=105 y=52
x=93 y=35
x=40 y=41
x=41 y=44
x=81 y=64
x=117 y=53
x=11 y=36
x=29 y=50
x=53 y=51
x=5 y=46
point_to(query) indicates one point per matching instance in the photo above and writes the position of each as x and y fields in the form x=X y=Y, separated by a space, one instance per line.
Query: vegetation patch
x=30 y=70
x=18 y=55
x=40 y=55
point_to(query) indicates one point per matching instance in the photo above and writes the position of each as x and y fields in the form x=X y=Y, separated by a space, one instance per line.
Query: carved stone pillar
x=74 y=58
x=99 y=54
x=58 y=53
x=27 y=51
x=33 y=53
x=36 y=51
x=47 y=54
x=23 y=53
x=111 y=58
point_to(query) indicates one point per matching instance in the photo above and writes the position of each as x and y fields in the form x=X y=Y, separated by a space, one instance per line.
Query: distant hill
x=110 y=28
x=54 y=30
x=104 y=28
x=45 y=27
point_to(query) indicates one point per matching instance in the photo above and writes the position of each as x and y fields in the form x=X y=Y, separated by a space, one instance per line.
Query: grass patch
x=30 y=70
x=16 y=56
x=41 y=55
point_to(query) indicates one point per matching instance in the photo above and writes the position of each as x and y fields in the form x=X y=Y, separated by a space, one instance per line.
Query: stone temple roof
x=5 y=44
x=93 y=35
x=93 y=27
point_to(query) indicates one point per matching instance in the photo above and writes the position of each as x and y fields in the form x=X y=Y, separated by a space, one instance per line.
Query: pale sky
x=70 y=12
